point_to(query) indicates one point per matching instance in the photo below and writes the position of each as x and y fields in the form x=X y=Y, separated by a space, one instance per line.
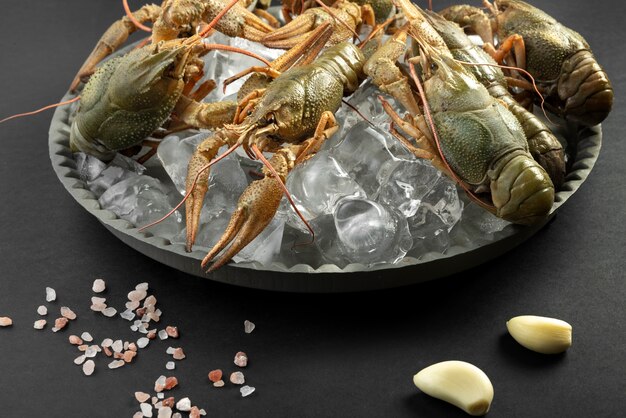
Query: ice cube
x=364 y=151
x=439 y=211
x=371 y=232
x=219 y=65
x=175 y=153
x=315 y=188
x=141 y=200
x=88 y=167
x=404 y=183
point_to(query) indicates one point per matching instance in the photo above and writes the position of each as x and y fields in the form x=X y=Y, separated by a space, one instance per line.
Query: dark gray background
x=311 y=355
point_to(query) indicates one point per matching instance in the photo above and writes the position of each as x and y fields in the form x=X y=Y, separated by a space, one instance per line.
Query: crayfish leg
x=112 y=39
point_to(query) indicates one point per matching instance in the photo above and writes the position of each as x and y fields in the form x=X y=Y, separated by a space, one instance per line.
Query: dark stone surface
x=311 y=355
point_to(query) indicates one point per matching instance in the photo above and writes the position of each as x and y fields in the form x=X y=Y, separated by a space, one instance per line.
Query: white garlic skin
x=541 y=334
x=459 y=383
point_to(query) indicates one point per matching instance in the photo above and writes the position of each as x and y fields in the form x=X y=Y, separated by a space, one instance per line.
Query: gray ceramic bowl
x=304 y=278
x=413 y=268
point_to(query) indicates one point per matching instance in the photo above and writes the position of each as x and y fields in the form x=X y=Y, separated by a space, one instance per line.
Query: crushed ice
x=367 y=198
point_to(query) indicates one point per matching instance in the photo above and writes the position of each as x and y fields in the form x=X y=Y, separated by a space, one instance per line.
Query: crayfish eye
x=270 y=118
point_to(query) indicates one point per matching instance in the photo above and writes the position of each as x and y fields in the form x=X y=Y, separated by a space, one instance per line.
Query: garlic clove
x=459 y=383
x=541 y=334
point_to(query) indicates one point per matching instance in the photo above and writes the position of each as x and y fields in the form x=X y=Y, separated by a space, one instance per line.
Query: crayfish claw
x=256 y=208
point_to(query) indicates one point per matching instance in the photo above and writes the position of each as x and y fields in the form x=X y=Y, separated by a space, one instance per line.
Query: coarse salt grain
x=117 y=346
x=219 y=384
x=184 y=405
x=79 y=360
x=165 y=412
x=109 y=311
x=42 y=310
x=88 y=367
x=116 y=363
x=128 y=315
x=5 y=321
x=194 y=412
x=59 y=324
x=246 y=390
x=241 y=359
x=129 y=355
x=106 y=342
x=146 y=409
x=178 y=354
x=75 y=340
x=142 y=342
x=170 y=365
x=51 y=294
x=248 y=326
x=98 y=286
x=67 y=313
x=142 y=396
x=215 y=375
x=137 y=295
x=237 y=378
x=163 y=335
x=142 y=286
x=86 y=337
x=40 y=324
x=172 y=331
x=91 y=351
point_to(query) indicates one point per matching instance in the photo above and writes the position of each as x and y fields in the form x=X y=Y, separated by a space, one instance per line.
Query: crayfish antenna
x=34 y=112
x=132 y=18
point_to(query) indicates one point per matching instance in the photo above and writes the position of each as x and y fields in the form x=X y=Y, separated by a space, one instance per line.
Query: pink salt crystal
x=67 y=313
x=74 y=339
x=159 y=384
x=132 y=347
x=172 y=331
x=108 y=352
x=129 y=355
x=215 y=375
x=141 y=397
x=138 y=414
x=60 y=323
x=151 y=335
x=98 y=286
x=194 y=412
x=170 y=382
x=241 y=359
x=168 y=402
x=237 y=378
x=178 y=354
x=150 y=301
x=5 y=321
x=118 y=355
x=136 y=295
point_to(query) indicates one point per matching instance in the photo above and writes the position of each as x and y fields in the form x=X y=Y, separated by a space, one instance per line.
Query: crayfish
x=558 y=58
x=461 y=128
x=297 y=108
